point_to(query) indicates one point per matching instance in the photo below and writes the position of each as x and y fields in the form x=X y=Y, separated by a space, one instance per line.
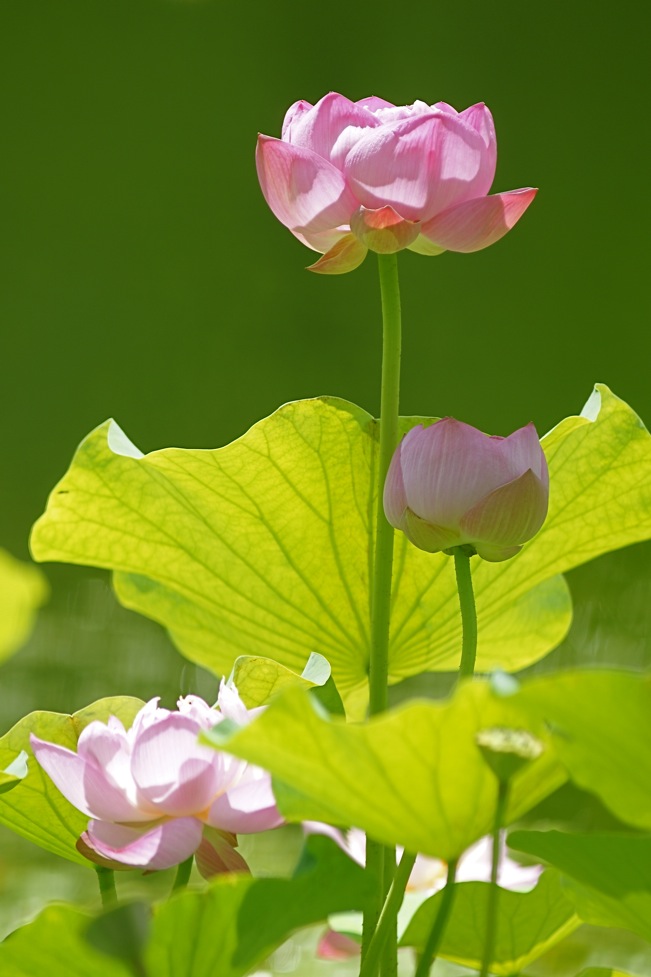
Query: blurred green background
x=143 y=276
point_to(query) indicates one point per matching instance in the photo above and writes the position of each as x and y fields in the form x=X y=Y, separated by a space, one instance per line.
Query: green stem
x=494 y=892
x=380 y=861
x=468 y=611
x=183 y=873
x=430 y=950
x=389 y=414
x=388 y=918
x=107 y=890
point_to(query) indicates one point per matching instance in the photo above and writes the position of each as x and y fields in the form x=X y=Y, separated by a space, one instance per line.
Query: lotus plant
x=348 y=177
x=153 y=792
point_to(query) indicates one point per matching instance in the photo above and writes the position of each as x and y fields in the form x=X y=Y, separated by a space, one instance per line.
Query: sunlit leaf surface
x=22 y=591
x=414 y=776
x=34 y=808
x=529 y=924
x=262 y=547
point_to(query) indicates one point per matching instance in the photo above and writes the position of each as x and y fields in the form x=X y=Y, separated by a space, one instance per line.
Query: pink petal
x=383 y=230
x=428 y=536
x=480 y=118
x=160 y=847
x=320 y=129
x=420 y=165
x=476 y=224
x=449 y=467
x=323 y=241
x=372 y=103
x=218 y=856
x=395 y=497
x=293 y=115
x=337 y=946
x=523 y=450
x=65 y=769
x=84 y=784
x=510 y=515
x=305 y=192
x=344 y=256
x=172 y=770
x=198 y=710
x=247 y=808
x=475 y=866
x=231 y=706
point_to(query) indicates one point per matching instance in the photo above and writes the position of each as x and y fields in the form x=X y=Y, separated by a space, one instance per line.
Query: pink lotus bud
x=346 y=177
x=451 y=485
x=151 y=790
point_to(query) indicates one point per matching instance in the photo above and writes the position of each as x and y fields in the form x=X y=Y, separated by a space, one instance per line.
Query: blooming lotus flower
x=346 y=177
x=153 y=791
x=450 y=485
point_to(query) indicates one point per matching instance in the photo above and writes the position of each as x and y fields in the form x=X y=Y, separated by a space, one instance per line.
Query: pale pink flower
x=427 y=877
x=152 y=790
x=346 y=177
x=449 y=485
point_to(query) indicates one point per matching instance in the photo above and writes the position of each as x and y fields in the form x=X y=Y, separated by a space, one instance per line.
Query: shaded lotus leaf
x=607 y=876
x=225 y=930
x=600 y=723
x=528 y=924
x=35 y=808
x=22 y=591
x=594 y=948
x=262 y=547
x=437 y=792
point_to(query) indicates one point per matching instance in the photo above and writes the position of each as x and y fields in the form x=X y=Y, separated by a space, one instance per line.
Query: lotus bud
x=450 y=485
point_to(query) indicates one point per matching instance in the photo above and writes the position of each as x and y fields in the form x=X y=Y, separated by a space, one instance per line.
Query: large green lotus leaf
x=34 y=808
x=529 y=924
x=608 y=876
x=595 y=948
x=258 y=680
x=262 y=547
x=230 y=928
x=22 y=591
x=53 y=945
x=413 y=776
x=600 y=972
x=223 y=931
x=600 y=723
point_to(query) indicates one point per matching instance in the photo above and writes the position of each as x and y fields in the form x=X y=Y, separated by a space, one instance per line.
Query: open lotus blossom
x=346 y=177
x=451 y=485
x=155 y=795
x=427 y=877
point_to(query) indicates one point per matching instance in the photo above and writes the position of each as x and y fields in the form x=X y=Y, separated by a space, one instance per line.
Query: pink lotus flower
x=346 y=177
x=449 y=485
x=151 y=791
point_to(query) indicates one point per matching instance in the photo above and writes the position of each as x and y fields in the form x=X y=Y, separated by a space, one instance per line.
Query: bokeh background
x=143 y=277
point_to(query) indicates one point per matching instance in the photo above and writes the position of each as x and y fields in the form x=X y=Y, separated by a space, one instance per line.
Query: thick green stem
x=389 y=414
x=107 y=890
x=388 y=918
x=183 y=873
x=494 y=892
x=468 y=611
x=430 y=950
x=380 y=861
